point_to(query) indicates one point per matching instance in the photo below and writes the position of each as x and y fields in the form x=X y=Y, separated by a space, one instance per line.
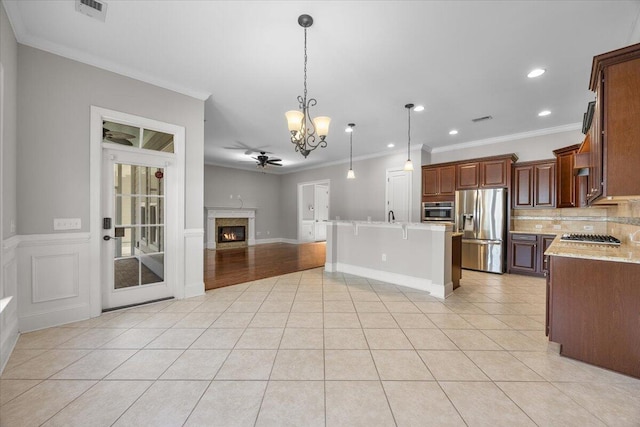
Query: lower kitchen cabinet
x=593 y=312
x=456 y=260
x=527 y=253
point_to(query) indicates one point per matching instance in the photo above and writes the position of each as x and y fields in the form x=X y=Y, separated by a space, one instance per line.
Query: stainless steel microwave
x=437 y=211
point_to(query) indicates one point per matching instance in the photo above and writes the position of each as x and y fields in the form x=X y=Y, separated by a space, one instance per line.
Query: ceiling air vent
x=93 y=8
x=481 y=119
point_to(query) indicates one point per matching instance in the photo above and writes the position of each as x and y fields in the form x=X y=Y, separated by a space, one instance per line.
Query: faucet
x=391 y=216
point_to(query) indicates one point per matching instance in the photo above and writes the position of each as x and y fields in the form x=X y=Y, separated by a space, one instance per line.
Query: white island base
x=416 y=255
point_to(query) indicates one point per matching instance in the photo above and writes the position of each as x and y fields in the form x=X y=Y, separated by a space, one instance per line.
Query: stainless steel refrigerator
x=481 y=215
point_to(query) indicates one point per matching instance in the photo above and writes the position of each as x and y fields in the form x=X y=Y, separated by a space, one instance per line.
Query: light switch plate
x=67 y=224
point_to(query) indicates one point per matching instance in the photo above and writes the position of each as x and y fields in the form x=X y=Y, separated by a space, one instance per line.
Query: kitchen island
x=593 y=303
x=416 y=255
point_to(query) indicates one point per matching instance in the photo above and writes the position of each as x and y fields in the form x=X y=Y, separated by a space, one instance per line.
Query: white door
x=137 y=190
x=321 y=212
x=399 y=195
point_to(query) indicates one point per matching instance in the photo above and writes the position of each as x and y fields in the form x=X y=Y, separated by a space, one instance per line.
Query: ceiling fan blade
x=120 y=141
x=113 y=134
x=275 y=160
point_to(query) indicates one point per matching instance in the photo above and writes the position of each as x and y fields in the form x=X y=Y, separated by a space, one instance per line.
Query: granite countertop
x=381 y=224
x=537 y=231
x=626 y=252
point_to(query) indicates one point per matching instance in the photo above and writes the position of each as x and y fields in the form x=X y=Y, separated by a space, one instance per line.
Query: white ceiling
x=367 y=59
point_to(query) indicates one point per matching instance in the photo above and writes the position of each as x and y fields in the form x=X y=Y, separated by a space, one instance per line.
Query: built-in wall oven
x=438 y=211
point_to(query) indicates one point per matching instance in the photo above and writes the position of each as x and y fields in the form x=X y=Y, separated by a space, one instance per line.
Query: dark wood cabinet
x=438 y=183
x=568 y=185
x=490 y=172
x=527 y=253
x=534 y=185
x=468 y=176
x=494 y=173
x=615 y=129
x=593 y=312
x=456 y=260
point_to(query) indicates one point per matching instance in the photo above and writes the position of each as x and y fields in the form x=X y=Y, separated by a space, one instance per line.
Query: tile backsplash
x=618 y=220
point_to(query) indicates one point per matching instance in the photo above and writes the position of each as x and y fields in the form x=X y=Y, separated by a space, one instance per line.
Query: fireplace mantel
x=214 y=213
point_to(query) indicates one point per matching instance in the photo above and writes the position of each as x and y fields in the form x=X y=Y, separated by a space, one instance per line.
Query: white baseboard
x=57 y=317
x=413 y=282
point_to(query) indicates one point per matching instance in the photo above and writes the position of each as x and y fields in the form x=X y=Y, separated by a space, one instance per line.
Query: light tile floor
x=309 y=349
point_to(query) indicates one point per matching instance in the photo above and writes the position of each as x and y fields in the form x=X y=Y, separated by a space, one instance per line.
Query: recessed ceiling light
x=418 y=108
x=536 y=73
x=391 y=145
x=544 y=113
x=453 y=132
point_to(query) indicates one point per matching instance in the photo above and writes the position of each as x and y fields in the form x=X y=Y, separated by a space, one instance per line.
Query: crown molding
x=512 y=137
x=23 y=37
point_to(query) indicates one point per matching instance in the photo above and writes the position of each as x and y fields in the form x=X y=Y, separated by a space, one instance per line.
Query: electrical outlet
x=13 y=226
x=384 y=257
x=67 y=224
x=258 y=233
x=557 y=227
x=231 y=196
x=588 y=228
x=538 y=226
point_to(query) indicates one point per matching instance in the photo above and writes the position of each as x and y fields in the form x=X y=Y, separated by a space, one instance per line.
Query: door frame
x=113 y=154
x=98 y=115
x=409 y=175
x=326 y=182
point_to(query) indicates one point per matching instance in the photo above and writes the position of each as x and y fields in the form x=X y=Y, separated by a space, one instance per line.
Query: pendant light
x=408 y=166
x=307 y=133
x=350 y=174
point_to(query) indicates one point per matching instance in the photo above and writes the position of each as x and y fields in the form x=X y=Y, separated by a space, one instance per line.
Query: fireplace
x=231 y=232
x=234 y=233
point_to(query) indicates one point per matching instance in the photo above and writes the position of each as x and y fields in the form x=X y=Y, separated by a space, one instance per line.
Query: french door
x=136 y=197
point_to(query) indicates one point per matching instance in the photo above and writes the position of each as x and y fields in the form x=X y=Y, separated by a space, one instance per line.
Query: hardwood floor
x=232 y=266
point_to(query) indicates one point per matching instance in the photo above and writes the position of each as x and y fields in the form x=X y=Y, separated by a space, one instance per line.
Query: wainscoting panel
x=9 y=288
x=53 y=272
x=64 y=284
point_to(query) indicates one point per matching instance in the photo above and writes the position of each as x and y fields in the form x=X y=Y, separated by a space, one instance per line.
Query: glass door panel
x=138 y=202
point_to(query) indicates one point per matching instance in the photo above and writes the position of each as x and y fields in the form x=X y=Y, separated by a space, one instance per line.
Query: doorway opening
x=313 y=211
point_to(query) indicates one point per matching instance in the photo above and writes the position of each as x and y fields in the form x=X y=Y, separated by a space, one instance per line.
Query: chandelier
x=408 y=166
x=307 y=133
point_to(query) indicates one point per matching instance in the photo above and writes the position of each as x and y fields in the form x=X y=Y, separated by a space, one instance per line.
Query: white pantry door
x=398 y=195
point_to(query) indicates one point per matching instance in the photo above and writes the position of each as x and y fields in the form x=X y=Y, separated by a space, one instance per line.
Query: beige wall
x=9 y=61
x=53 y=124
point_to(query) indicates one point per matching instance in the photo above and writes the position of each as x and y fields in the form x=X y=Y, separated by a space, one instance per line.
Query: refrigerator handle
x=476 y=220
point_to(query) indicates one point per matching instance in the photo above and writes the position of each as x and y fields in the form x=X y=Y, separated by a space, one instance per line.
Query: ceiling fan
x=248 y=150
x=264 y=160
x=117 y=137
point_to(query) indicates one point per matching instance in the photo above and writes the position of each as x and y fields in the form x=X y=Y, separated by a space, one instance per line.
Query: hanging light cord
x=409 y=135
x=351 y=149
x=305 y=73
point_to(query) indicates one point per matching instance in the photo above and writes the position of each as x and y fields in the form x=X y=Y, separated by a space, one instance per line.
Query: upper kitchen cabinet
x=534 y=185
x=490 y=172
x=568 y=183
x=438 y=183
x=615 y=129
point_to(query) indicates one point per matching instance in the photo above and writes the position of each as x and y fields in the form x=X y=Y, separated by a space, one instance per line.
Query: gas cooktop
x=596 y=239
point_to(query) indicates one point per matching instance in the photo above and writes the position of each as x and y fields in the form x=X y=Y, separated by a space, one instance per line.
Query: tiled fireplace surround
x=222 y=217
x=618 y=220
